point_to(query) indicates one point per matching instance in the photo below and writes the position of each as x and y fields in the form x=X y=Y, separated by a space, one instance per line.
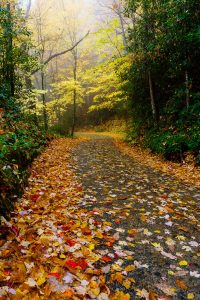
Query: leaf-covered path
x=151 y=217
x=95 y=224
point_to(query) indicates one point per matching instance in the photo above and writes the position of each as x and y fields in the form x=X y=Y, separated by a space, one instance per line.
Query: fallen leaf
x=181 y=284
x=31 y=282
x=183 y=263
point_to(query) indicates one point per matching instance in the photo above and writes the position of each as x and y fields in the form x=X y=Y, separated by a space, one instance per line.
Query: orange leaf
x=152 y=295
x=181 y=284
x=143 y=218
x=106 y=258
x=132 y=232
x=117 y=221
x=118 y=277
x=69 y=293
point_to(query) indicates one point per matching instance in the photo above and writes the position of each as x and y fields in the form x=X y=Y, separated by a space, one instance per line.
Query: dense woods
x=86 y=213
x=131 y=64
x=163 y=80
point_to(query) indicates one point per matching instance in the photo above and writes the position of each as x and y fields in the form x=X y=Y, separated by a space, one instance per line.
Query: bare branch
x=61 y=53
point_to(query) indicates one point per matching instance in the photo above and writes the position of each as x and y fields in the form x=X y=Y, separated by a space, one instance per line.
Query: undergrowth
x=20 y=142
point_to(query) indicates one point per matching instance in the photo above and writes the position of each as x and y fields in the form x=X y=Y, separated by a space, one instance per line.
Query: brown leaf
x=181 y=284
x=152 y=295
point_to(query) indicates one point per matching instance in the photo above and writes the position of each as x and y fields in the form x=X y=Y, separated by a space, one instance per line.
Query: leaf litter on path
x=49 y=248
x=100 y=226
x=153 y=217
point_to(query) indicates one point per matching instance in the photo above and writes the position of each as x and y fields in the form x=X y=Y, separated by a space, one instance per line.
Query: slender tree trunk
x=9 y=55
x=187 y=89
x=152 y=96
x=31 y=103
x=122 y=28
x=74 y=98
x=44 y=103
x=149 y=28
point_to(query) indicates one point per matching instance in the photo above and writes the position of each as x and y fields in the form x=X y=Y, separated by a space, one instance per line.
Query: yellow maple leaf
x=131 y=244
x=143 y=218
x=96 y=291
x=170 y=272
x=41 y=280
x=56 y=244
x=91 y=247
x=132 y=231
x=117 y=276
x=20 y=220
x=183 y=263
x=130 y=268
x=157 y=245
x=116 y=267
x=93 y=284
x=99 y=235
x=180 y=237
x=190 y=296
x=120 y=296
x=127 y=284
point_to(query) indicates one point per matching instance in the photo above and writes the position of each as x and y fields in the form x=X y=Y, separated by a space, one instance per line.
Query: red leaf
x=106 y=258
x=83 y=264
x=97 y=223
x=116 y=255
x=35 y=197
x=15 y=230
x=65 y=227
x=54 y=275
x=71 y=263
x=71 y=243
x=86 y=232
x=117 y=221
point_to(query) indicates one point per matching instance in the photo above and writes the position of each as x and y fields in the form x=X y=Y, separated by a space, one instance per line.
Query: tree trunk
x=148 y=27
x=123 y=29
x=74 y=98
x=152 y=97
x=9 y=55
x=187 y=89
x=44 y=103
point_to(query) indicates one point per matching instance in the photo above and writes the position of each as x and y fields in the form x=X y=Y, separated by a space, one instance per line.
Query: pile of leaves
x=186 y=172
x=48 y=247
x=20 y=143
x=60 y=244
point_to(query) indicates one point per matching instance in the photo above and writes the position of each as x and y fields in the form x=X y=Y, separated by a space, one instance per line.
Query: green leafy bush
x=19 y=144
x=174 y=143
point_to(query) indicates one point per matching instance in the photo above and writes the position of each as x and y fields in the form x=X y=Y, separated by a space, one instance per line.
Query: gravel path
x=152 y=217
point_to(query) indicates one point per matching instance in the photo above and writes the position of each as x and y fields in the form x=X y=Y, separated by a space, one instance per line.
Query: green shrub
x=173 y=143
x=19 y=145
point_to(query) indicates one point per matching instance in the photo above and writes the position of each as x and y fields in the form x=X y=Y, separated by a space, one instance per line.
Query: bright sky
x=87 y=3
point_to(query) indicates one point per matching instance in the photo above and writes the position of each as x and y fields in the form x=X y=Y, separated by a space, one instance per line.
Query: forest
x=127 y=67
